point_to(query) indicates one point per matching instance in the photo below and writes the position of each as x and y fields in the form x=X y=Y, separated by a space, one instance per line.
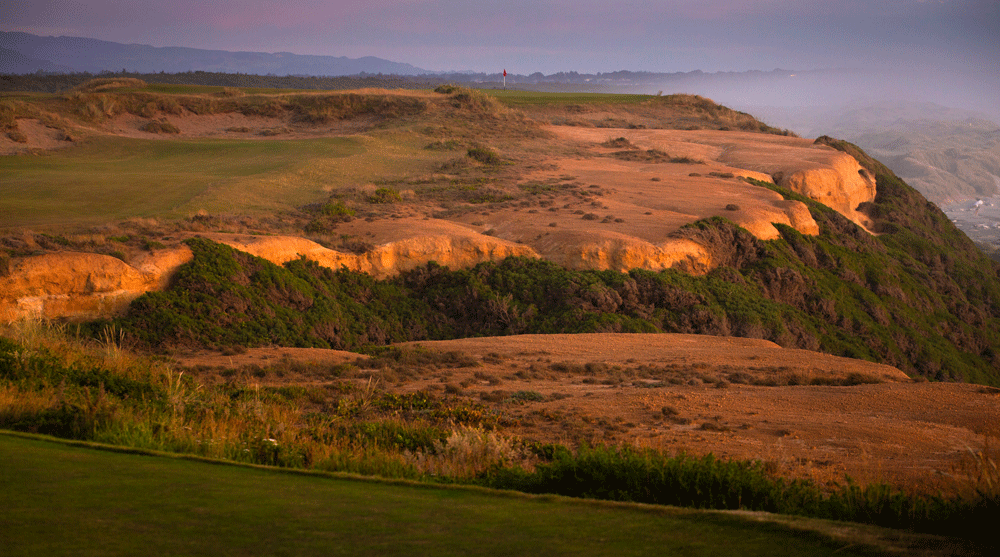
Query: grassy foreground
x=70 y=499
x=59 y=387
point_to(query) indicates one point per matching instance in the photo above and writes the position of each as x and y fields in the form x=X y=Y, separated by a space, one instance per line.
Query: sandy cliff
x=629 y=223
x=83 y=285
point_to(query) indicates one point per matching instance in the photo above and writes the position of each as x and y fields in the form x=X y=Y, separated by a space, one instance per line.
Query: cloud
x=583 y=35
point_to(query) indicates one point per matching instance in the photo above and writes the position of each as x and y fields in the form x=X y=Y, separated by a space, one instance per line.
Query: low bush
x=484 y=155
x=625 y=474
x=384 y=195
x=619 y=143
x=520 y=397
x=337 y=209
x=159 y=126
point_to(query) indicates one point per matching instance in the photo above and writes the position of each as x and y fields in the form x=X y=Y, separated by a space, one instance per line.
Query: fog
x=802 y=100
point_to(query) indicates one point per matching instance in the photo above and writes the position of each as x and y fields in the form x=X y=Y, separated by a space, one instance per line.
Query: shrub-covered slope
x=918 y=295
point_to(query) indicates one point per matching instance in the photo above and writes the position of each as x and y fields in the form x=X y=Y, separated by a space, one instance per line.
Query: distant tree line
x=58 y=82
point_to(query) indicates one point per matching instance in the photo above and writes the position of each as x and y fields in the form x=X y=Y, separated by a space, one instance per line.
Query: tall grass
x=647 y=476
x=53 y=384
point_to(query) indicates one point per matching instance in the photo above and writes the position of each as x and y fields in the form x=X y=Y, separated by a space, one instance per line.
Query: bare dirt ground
x=37 y=138
x=810 y=415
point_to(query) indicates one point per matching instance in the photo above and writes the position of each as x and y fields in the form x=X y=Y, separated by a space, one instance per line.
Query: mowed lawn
x=59 y=499
x=113 y=178
x=515 y=97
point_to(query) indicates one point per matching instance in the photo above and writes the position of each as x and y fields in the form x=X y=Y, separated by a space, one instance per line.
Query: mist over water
x=938 y=130
x=802 y=100
x=935 y=128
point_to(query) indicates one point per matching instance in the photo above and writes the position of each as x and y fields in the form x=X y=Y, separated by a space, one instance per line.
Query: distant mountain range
x=22 y=53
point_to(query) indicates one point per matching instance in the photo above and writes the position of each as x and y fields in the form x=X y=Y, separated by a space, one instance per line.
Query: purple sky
x=526 y=36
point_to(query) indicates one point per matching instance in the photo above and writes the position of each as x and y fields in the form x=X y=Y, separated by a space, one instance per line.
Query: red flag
x=505 y=72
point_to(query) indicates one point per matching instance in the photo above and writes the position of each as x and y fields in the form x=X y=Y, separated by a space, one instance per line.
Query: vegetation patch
x=159 y=126
x=50 y=385
x=619 y=143
x=384 y=195
x=843 y=292
x=484 y=155
x=337 y=209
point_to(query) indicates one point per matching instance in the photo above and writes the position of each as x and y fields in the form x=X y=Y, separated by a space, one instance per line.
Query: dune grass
x=62 y=499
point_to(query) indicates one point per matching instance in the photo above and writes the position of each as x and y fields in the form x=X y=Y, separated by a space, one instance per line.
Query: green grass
x=118 y=178
x=66 y=391
x=65 y=499
x=181 y=89
x=513 y=97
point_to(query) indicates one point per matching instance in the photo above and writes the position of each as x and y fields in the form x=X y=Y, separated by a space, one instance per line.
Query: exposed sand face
x=887 y=431
x=38 y=137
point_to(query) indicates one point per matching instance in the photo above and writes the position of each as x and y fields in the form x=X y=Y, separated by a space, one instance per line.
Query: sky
x=548 y=36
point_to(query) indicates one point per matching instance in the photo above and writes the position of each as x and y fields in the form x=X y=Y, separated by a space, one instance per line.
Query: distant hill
x=948 y=161
x=12 y=61
x=26 y=53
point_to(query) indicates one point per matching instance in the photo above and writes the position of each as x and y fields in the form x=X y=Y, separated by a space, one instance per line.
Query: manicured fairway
x=118 y=178
x=515 y=97
x=68 y=500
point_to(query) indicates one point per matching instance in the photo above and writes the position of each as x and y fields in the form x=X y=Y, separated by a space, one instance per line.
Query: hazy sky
x=526 y=36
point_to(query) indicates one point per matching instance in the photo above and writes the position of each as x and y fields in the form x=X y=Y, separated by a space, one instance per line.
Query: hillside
x=574 y=213
x=641 y=298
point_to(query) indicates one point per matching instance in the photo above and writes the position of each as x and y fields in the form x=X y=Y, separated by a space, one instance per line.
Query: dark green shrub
x=520 y=397
x=151 y=245
x=618 y=143
x=626 y=474
x=384 y=195
x=159 y=126
x=484 y=155
x=337 y=209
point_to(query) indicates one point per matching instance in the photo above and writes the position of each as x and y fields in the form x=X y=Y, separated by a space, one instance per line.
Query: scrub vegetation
x=54 y=385
x=912 y=297
x=917 y=294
